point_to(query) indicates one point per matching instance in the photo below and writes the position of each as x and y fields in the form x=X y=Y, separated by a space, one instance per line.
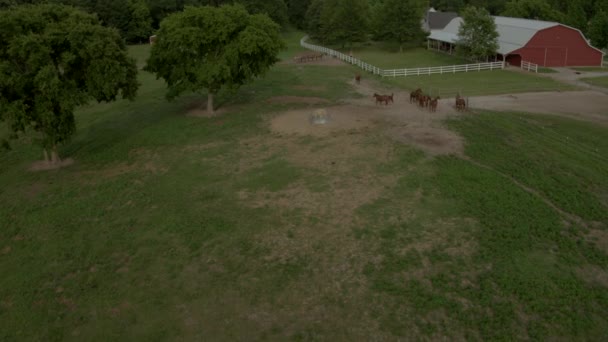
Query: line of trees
x=345 y=21
x=351 y=21
x=136 y=20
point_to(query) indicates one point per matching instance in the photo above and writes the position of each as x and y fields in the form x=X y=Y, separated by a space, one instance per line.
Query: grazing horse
x=433 y=104
x=423 y=100
x=389 y=98
x=461 y=105
x=415 y=95
x=382 y=98
x=358 y=78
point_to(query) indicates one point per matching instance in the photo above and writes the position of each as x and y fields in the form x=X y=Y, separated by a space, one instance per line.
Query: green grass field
x=597 y=81
x=410 y=58
x=477 y=83
x=171 y=227
x=591 y=69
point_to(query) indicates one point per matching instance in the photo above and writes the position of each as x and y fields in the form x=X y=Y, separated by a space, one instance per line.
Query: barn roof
x=438 y=20
x=513 y=33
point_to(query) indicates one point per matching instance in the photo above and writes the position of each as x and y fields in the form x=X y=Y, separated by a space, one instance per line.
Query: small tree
x=212 y=47
x=52 y=59
x=400 y=21
x=478 y=38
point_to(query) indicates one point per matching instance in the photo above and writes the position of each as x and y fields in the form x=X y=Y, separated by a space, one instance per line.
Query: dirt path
x=587 y=105
x=574 y=77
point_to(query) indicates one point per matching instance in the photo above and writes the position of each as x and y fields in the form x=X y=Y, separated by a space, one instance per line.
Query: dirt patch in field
x=326 y=60
x=340 y=118
x=400 y=120
x=587 y=105
x=312 y=88
x=594 y=275
x=42 y=165
x=34 y=190
x=296 y=99
x=599 y=238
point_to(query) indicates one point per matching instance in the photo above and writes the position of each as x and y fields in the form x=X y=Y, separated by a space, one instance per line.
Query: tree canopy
x=478 y=38
x=54 y=58
x=399 y=21
x=532 y=9
x=207 y=48
x=598 y=29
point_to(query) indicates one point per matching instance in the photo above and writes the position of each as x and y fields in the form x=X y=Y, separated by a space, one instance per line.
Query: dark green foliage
x=275 y=9
x=399 y=21
x=338 y=21
x=478 y=36
x=313 y=20
x=54 y=59
x=207 y=48
x=532 y=9
x=296 y=10
x=598 y=29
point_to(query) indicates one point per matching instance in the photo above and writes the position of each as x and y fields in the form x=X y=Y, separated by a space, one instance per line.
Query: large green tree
x=478 y=37
x=207 y=48
x=53 y=59
x=313 y=19
x=532 y=9
x=400 y=21
x=598 y=29
x=345 y=21
x=296 y=9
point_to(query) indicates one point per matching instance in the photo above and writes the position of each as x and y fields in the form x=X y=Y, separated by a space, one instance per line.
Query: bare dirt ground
x=401 y=120
x=42 y=165
x=326 y=60
x=587 y=105
x=296 y=99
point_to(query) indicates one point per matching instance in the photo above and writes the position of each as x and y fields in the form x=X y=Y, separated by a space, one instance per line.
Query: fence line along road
x=450 y=69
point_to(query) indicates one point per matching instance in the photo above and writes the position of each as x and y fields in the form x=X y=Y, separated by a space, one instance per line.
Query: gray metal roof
x=439 y=20
x=513 y=33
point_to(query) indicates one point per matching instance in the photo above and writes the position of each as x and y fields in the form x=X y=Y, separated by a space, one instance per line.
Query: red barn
x=544 y=43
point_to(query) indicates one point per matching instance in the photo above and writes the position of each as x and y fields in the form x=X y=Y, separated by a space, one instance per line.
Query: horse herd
x=418 y=97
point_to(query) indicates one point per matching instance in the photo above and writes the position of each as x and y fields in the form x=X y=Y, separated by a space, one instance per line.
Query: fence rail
x=450 y=69
x=402 y=72
x=529 y=66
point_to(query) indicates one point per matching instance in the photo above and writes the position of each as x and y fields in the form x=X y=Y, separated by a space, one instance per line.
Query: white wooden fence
x=529 y=66
x=341 y=56
x=450 y=69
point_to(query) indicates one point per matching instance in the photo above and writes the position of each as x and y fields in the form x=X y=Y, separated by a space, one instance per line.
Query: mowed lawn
x=409 y=58
x=478 y=83
x=172 y=227
x=597 y=81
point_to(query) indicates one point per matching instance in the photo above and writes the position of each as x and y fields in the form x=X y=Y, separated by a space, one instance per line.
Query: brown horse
x=382 y=98
x=423 y=100
x=433 y=104
x=358 y=78
x=415 y=94
x=390 y=98
x=461 y=105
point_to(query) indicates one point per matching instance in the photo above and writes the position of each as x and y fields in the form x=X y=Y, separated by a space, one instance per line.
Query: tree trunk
x=401 y=48
x=46 y=155
x=54 y=155
x=210 y=103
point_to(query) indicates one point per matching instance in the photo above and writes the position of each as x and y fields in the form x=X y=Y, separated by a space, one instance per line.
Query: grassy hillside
x=173 y=227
